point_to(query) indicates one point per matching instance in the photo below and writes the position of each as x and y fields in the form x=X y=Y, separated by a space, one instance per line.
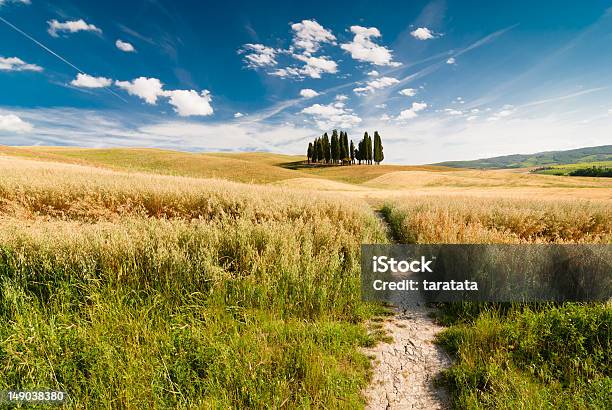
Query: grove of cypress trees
x=341 y=151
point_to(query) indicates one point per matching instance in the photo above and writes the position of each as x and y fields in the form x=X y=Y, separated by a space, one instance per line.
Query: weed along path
x=405 y=368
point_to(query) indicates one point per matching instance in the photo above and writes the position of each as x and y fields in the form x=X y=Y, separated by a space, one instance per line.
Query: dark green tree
x=335 y=147
x=342 y=148
x=360 y=151
x=309 y=154
x=367 y=148
x=352 y=152
x=347 y=150
x=320 y=155
x=326 y=148
x=378 y=149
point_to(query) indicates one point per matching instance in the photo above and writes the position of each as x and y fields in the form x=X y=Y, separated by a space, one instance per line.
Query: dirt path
x=405 y=369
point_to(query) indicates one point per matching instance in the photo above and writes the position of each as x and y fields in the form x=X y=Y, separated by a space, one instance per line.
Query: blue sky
x=440 y=80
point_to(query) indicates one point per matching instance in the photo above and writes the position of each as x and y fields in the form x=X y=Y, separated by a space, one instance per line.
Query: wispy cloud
x=73 y=26
x=17 y=64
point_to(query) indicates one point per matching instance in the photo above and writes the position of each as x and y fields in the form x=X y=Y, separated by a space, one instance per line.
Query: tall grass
x=137 y=291
x=512 y=356
x=456 y=219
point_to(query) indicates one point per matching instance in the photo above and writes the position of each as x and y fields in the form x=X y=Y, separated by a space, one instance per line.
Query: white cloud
x=373 y=73
x=408 y=92
x=332 y=116
x=308 y=93
x=308 y=36
x=422 y=33
x=385 y=117
x=88 y=81
x=149 y=89
x=258 y=55
x=125 y=46
x=238 y=115
x=341 y=97
x=323 y=110
x=411 y=112
x=451 y=61
x=362 y=48
x=506 y=111
x=2 y=2
x=71 y=27
x=17 y=64
x=188 y=102
x=472 y=118
x=377 y=84
x=451 y=111
x=286 y=72
x=12 y=123
x=315 y=66
x=381 y=105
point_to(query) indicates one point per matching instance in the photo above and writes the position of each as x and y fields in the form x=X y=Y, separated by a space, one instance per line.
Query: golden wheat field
x=133 y=280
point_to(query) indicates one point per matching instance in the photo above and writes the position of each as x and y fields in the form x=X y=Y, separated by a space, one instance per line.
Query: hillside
x=588 y=154
x=247 y=167
x=251 y=167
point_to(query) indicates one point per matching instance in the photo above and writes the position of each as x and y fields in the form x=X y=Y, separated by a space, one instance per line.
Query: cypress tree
x=319 y=150
x=347 y=152
x=342 y=149
x=360 y=151
x=367 y=148
x=378 y=150
x=335 y=148
x=326 y=148
x=309 y=154
x=352 y=152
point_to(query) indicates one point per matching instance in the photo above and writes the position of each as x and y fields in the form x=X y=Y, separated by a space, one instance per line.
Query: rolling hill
x=540 y=159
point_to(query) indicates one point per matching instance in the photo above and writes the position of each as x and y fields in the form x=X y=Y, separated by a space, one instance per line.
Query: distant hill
x=540 y=159
x=255 y=167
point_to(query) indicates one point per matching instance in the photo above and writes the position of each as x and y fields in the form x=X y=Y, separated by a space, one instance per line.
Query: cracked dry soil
x=405 y=369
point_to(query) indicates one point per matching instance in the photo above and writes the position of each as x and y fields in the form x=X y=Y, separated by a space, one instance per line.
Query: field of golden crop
x=140 y=291
x=510 y=356
x=129 y=280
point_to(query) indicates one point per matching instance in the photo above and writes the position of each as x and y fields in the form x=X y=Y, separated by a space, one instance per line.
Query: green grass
x=566 y=169
x=518 y=356
x=545 y=357
x=139 y=291
x=588 y=154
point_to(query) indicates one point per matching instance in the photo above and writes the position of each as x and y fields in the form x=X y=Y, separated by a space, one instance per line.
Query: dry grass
x=31 y=189
x=544 y=356
x=440 y=219
x=359 y=174
x=132 y=290
x=250 y=168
